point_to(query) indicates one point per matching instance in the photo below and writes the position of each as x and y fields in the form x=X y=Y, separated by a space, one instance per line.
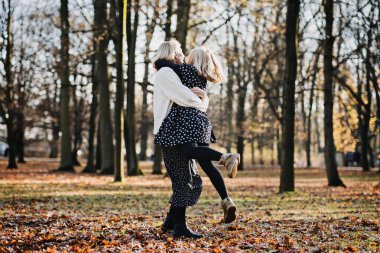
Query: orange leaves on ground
x=56 y=212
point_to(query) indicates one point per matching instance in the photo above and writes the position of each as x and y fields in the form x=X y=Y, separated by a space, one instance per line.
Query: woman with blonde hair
x=185 y=134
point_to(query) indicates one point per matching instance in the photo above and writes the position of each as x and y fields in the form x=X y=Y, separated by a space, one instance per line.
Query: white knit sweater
x=168 y=88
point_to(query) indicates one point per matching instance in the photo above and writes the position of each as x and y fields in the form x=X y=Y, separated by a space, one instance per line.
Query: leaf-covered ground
x=45 y=211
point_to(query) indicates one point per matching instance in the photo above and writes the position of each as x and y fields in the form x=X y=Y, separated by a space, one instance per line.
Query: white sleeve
x=172 y=87
x=205 y=101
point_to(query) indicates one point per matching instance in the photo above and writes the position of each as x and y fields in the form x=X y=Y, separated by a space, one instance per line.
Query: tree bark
x=119 y=104
x=20 y=136
x=77 y=142
x=106 y=131
x=240 y=119
x=366 y=147
x=98 y=152
x=363 y=118
x=157 y=164
x=329 y=151
x=11 y=141
x=90 y=167
x=287 y=159
x=183 y=13
x=308 y=124
x=168 y=21
x=157 y=161
x=240 y=74
x=150 y=26
x=54 y=143
x=229 y=97
x=132 y=162
x=66 y=163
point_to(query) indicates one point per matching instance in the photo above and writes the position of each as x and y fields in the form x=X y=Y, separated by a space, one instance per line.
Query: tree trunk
x=20 y=136
x=279 y=145
x=364 y=133
x=367 y=113
x=132 y=162
x=329 y=151
x=253 y=149
x=11 y=141
x=90 y=167
x=77 y=127
x=228 y=105
x=144 y=110
x=55 y=125
x=240 y=119
x=316 y=123
x=168 y=21
x=363 y=130
x=260 y=148
x=9 y=96
x=54 y=142
x=157 y=164
x=98 y=152
x=183 y=13
x=106 y=132
x=65 y=122
x=119 y=104
x=308 y=124
x=287 y=161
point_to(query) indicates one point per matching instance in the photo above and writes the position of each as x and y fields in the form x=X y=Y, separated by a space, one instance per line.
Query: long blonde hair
x=167 y=50
x=207 y=64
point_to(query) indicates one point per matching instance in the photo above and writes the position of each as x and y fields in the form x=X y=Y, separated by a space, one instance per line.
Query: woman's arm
x=171 y=86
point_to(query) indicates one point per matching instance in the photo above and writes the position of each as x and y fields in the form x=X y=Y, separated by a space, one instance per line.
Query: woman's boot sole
x=231 y=215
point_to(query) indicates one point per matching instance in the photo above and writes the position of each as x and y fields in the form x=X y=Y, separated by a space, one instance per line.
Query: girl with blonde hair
x=187 y=131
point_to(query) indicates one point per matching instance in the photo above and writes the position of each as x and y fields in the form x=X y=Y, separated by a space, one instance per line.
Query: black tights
x=205 y=156
x=178 y=213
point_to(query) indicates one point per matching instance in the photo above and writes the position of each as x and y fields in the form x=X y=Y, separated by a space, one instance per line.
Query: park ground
x=46 y=211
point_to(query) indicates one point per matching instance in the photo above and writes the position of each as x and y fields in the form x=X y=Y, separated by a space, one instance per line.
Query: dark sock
x=200 y=152
x=215 y=176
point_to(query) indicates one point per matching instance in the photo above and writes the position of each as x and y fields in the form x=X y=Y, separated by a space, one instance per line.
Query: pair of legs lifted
x=176 y=217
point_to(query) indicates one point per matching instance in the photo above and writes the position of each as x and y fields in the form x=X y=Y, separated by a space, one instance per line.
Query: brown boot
x=229 y=210
x=230 y=162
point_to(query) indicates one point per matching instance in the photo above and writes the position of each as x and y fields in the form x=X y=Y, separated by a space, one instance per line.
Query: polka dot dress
x=186 y=181
x=185 y=124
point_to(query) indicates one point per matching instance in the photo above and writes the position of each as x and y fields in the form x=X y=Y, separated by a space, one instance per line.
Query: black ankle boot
x=181 y=229
x=168 y=223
